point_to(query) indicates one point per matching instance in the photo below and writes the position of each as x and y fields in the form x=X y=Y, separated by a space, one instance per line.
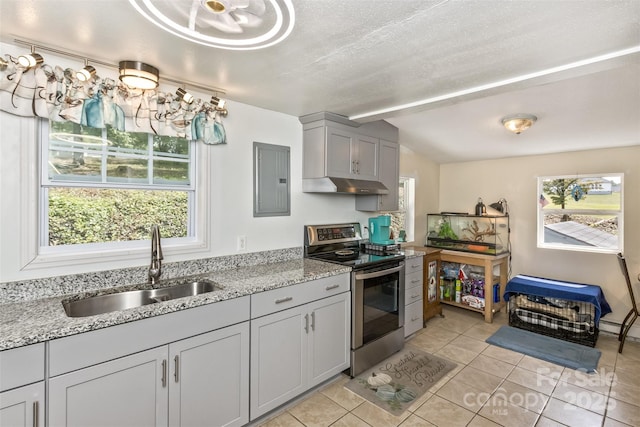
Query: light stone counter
x=31 y=319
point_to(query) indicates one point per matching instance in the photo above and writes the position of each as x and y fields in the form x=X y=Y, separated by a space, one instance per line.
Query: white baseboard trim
x=614 y=328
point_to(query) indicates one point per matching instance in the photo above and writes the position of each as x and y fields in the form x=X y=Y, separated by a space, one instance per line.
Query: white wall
x=515 y=179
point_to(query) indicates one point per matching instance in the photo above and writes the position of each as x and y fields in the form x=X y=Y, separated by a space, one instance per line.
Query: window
x=100 y=186
x=581 y=213
x=403 y=219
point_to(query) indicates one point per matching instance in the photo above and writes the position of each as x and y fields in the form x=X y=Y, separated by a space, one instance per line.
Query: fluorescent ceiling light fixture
x=476 y=89
x=138 y=75
x=518 y=123
x=223 y=24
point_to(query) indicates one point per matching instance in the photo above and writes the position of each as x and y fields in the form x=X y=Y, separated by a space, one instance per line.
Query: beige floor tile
x=546 y=422
x=377 y=417
x=521 y=396
x=541 y=366
x=628 y=364
x=481 y=380
x=623 y=412
x=342 y=396
x=503 y=354
x=581 y=397
x=443 y=413
x=532 y=380
x=610 y=422
x=627 y=389
x=475 y=345
x=440 y=332
x=283 y=420
x=482 y=331
x=419 y=401
x=463 y=394
x=317 y=410
x=479 y=421
x=428 y=343
x=491 y=366
x=350 y=420
x=457 y=354
x=571 y=415
x=416 y=421
x=599 y=382
x=507 y=414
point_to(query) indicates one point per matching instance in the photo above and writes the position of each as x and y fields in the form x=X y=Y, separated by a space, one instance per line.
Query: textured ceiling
x=472 y=60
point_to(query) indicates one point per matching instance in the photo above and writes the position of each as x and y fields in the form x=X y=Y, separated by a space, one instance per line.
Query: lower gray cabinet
x=297 y=348
x=202 y=380
x=23 y=406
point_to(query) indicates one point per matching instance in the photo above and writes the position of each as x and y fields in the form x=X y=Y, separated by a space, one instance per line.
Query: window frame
x=540 y=238
x=108 y=255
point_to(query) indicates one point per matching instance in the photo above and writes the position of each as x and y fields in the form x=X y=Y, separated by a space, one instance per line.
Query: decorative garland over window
x=56 y=94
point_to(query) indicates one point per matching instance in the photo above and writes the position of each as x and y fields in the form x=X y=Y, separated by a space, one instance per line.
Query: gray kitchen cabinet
x=413 y=295
x=177 y=369
x=23 y=406
x=130 y=391
x=297 y=348
x=350 y=155
x=22 y=386
x=203 y=380
x=389 y=175
x=209 y=380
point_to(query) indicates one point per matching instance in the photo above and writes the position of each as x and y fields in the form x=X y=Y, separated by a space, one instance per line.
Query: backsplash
x=63 y=285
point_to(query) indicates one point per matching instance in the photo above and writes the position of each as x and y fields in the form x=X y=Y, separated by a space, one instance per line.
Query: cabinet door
x=209 y=381
x=23 y=406
x=367 y=149
x=389 y=174
x=130 y=391
x=341 y=152
x=278 y=359
x=329 y=337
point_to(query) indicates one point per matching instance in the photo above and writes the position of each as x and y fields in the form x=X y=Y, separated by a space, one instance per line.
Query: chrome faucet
x=156 y=255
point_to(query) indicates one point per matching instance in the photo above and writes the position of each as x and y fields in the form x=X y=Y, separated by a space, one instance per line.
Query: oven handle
x=380 y=273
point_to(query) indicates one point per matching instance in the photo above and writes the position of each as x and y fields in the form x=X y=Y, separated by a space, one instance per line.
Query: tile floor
x=491 y=386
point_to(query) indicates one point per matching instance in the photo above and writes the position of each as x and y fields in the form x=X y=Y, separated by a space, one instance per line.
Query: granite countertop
x=33 y=321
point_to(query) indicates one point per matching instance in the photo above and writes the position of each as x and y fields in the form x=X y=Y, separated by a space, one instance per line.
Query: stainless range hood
x=342 y=185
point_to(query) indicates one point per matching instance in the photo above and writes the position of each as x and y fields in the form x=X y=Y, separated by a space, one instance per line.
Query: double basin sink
x=101 y=304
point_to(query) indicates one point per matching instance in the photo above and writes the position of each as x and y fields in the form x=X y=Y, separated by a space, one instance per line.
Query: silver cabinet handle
x=415 y=265
x=164 y=373
x=306 y=323
x=413 y=319
x=353 y=166
x=285 y=299
x=416 y=280
x=313 y=320
x=176 y=362
x=331 y=287
x=36 y=414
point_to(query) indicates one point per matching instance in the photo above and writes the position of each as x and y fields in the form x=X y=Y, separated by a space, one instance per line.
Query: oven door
x=377 y=303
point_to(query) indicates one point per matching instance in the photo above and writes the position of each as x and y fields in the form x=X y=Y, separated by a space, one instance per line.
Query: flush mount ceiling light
x=225 y=24
x=30 y=60
x=138 y=75
x=517 y=123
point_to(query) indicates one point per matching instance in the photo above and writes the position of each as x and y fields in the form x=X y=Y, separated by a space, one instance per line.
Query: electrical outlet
x=242 y=243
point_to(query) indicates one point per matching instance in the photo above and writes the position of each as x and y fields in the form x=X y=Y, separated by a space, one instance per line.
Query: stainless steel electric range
x=377 y=289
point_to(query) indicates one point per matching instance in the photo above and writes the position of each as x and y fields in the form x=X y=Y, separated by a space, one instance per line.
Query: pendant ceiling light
x=225 y=24
x=139 y=75
x=518 y=123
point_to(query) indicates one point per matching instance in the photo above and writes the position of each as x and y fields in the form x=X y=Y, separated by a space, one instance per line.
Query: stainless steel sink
x=130 y=299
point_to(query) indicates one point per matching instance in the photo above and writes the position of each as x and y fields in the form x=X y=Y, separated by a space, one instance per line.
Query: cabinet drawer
x=413 y=318
x=290 y=296
x=412 y=280
x=412 y=295
x=21 y=366
x=413 y=264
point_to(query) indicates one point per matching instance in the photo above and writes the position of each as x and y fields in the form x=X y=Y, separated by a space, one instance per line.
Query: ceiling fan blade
x=246 y=19
x=223 y=22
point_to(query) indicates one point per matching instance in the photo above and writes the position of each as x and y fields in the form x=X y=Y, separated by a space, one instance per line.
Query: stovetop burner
x=342 y=244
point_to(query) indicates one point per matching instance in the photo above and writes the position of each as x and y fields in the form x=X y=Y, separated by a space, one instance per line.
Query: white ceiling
x=474 y=61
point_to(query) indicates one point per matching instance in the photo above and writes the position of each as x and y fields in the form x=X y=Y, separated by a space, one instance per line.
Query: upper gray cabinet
x=389 y=175
x=348 y=155
x=343 y=156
